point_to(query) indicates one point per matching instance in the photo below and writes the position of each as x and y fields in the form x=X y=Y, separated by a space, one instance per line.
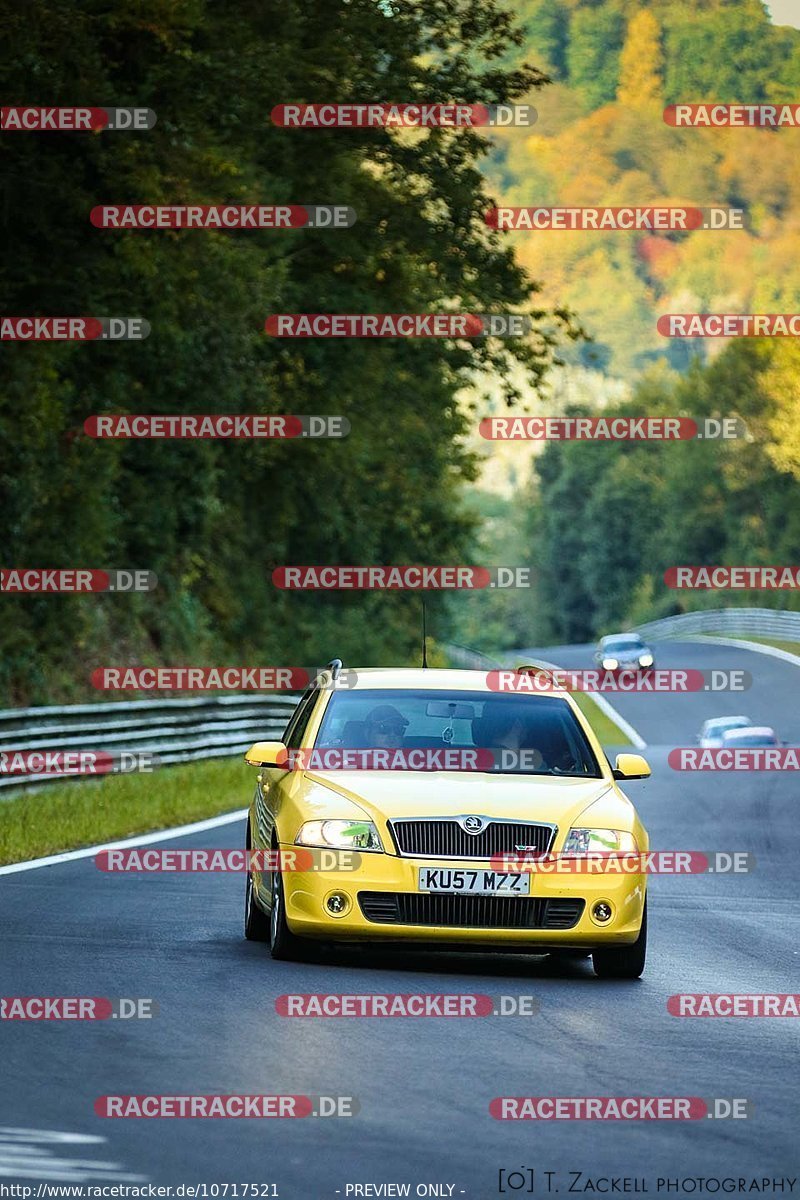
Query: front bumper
x=305 y=894
x=626 y=666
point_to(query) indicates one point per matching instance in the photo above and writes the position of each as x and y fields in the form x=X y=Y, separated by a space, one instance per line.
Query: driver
x=385 y=728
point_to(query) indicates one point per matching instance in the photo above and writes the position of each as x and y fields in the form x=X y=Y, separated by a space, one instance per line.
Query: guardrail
x=465 y=658
x=174 y=731
x=759 y=622
x=190 y=730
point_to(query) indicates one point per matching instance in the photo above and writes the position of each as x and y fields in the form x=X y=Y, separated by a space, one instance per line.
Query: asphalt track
x=424 y=1085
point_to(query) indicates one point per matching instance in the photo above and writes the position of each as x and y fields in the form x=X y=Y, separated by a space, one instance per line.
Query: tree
x=641 y=63
x=212 y=518
x=780 y=382
x=596 y=36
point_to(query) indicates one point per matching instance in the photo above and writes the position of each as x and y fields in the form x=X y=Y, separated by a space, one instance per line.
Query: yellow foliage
x=641 y=62
x=782 y=386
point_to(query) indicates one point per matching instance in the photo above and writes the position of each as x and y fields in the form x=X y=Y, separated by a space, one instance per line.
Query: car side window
x=298 y=722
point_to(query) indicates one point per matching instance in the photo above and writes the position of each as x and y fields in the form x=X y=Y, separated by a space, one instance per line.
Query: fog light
x=602 y=912
x=337 y=904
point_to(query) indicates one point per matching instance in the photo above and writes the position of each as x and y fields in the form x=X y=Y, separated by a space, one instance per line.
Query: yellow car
x=426 y=857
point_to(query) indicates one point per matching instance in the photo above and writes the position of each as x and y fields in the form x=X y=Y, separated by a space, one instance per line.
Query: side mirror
x=267 y=754
x=631 y=766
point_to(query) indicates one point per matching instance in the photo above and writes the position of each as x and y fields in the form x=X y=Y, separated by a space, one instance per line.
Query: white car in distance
x=713 y=730
x=752 y=735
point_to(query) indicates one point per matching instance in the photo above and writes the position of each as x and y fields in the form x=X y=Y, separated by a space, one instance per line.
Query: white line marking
x=601 y=702
x=145 y=839
x=618 y=720
x=27 y=1154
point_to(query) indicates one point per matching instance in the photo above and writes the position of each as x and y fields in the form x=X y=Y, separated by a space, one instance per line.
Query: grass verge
x=67 y=816
x=608 y=733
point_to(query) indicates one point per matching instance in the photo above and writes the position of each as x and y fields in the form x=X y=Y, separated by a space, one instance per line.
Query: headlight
x=342 y=835
x=610 y=664
x=645 y=660
x=599 y=841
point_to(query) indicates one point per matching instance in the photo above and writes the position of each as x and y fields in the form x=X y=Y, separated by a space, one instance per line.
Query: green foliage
x=546 y=24
x=609 y=518
x=212 y=519
x=725 y=50
x=596 y=36
x=721 y=52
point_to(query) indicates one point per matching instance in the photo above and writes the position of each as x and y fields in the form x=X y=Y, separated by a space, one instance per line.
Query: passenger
x=502 y=728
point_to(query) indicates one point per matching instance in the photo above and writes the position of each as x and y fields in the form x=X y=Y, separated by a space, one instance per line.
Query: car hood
x=390 y=794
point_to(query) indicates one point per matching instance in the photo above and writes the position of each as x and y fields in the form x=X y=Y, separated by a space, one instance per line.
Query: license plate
x=473 y=882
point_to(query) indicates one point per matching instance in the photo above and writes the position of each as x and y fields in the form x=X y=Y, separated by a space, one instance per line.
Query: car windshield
x=716 y=728
x=542 y=733
x=754 y=739
x=623 y=644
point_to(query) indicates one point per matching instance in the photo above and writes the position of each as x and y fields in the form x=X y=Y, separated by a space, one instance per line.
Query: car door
x=270 y=779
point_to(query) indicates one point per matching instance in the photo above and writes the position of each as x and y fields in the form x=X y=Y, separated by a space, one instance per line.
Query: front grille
x=469 y=912
x=446 y=839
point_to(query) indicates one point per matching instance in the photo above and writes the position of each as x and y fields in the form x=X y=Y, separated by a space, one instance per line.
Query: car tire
x=623 y=962
x=256 y=922
x=282 y=942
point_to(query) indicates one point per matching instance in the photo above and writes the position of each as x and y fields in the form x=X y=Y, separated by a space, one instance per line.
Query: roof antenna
x=424 y=636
